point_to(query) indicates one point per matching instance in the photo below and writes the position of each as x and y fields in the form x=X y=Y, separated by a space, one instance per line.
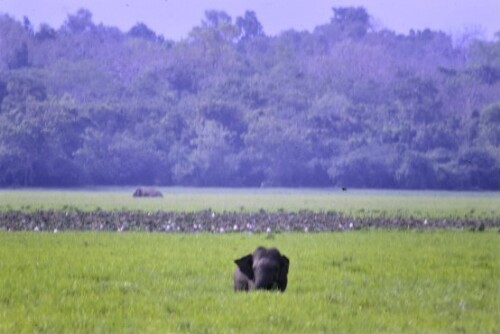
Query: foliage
x=404 y=282
x=344 y=105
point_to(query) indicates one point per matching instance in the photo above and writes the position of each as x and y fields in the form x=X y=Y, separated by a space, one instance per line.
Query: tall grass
x=359 y=282
x=424 y=204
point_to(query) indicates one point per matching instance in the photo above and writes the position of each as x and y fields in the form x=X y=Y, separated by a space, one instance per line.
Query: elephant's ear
x=282 y=279
x=245 y=264
x=285 y=263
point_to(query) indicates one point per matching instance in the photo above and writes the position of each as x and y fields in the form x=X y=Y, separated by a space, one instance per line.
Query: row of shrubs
x=214 y=222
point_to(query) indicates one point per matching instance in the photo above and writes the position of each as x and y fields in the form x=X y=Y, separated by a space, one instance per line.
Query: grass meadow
x=368 y=281
x=424 y=204
x=382 y=281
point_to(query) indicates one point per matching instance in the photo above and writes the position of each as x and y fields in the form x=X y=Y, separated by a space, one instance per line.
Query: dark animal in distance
x=265 y=269
x=147 y=192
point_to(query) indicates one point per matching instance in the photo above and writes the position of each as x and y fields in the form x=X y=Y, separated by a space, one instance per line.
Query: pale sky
x=175 y=18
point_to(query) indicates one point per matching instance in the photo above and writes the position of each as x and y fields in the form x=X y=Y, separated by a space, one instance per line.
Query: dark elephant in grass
x=265 y=269
x=147 y=192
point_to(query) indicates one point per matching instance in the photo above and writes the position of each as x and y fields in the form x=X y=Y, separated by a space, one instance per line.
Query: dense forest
x=345 y=105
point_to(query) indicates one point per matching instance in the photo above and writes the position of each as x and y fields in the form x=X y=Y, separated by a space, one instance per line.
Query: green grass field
x=425 y=204
x=357 y=282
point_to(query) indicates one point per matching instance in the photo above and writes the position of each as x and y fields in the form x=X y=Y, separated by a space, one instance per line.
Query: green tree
x=140 y=30
x=489 y=125
x=249 y=25
x=416 y=171
x=38 y=135
x=79 y=22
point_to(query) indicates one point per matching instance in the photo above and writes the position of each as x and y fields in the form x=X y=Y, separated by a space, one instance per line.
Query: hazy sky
x=175 y=18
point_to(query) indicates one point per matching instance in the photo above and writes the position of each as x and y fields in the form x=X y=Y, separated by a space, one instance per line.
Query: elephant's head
x=265 y=269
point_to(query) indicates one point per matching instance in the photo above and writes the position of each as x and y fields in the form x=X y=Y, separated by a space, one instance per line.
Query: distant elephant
x=147 y=192
x=265 y=269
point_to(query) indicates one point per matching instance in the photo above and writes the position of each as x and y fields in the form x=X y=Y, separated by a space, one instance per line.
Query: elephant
x=265 y=269
x=147 y=192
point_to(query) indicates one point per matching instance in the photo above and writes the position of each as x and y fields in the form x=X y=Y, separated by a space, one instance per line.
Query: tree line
x=346 y=105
